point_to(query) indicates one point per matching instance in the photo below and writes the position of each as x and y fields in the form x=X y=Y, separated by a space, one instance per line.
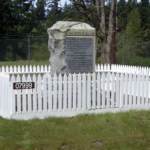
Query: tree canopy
x=20 y=19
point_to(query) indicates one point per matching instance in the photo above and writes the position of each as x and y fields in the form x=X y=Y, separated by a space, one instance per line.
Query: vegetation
x=23 y=63
x=22 y=21
x=121 y=131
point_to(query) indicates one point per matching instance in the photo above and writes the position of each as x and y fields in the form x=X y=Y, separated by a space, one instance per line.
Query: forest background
x=24 y=23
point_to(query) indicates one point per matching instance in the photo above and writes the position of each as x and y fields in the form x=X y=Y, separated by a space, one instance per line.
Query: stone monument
x=72 y=47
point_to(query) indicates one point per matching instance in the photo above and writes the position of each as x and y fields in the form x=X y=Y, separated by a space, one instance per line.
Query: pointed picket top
x=42 y=68
x=27 y=68
x=98 y=67
x=11 y=69
x=30 y=68
x=34 y=68
x=60 y=77
x=22 y=69
x=112 y=67
x=7 y=69
x=15 y=69
x=102 y=67
x=109 y=67
x=74 y=75
x=38 y=68
x=49 y=68
x=45 y=68
x=3 y=69
x=19 y=70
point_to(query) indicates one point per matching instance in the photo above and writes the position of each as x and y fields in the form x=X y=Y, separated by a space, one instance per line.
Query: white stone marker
x=72 y=47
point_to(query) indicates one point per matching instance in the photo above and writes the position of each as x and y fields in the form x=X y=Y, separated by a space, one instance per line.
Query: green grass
x=121 y=131
x=13 y=63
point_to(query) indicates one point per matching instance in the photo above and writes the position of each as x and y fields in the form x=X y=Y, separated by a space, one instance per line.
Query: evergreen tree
x=133 y=33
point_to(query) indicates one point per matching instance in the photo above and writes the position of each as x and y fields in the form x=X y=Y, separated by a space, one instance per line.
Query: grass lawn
x=13 y=63
x=121 y=131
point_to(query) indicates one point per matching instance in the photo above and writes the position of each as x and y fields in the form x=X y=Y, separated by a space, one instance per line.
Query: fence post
x=29 y=52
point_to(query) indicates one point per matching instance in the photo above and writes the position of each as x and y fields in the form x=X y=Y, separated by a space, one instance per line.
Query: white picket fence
x=69 y=95
x=25 y=69
x=45 y=68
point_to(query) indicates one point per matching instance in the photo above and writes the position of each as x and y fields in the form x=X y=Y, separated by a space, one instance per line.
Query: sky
x=62 y=2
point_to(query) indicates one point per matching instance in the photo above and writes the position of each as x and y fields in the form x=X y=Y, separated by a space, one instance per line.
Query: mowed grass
x=121 y=131
x=23 y=63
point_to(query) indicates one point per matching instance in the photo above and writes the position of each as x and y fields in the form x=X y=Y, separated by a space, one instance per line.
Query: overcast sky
x=63 y=2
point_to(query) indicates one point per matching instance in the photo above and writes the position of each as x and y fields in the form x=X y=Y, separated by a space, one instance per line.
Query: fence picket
x=60 y=93
x=117 y=89
x=65 y=93
x=130 y=90
x=50 y=91
x=7 y=100
x=24 y=103
x=29 y=99
x=1 y=90
x=108 y=90
x=34 y=94
x=69 y=91
x=84 y=90
x=121 y=90
x=93 y=91
x=30 y=68
x=74 y=92
x=139 y=90
x=143 y=88
x=13 y=100
x=103 y=90
x=18 y=96
x=112 y=94
x=126 y=90
x=34 y=68
x=98 y=91
x=11 y=69
x=79 y=92
x=147 y=89
x=38 y=68
x=45 y=94
x=134 y=89
x=89 y=91
x=42 y=68
x=39 y=92
x=55 y=93
x=27 y=68
x=2 y=96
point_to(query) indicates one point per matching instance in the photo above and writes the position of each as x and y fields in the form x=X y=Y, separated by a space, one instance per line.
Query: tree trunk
x=105 y=32
x=106 y=43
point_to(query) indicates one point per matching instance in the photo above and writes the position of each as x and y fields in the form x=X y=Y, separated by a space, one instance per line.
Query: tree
x=105 y=31
x=133 y=33
x=15 y=18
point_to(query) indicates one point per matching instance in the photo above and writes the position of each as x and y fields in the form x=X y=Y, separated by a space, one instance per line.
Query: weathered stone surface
x=57 y=42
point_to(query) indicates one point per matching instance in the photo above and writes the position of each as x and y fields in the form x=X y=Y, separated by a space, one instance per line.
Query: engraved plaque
x=79 y=54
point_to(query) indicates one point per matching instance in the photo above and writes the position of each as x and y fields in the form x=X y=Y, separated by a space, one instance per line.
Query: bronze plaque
x=79 y=54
